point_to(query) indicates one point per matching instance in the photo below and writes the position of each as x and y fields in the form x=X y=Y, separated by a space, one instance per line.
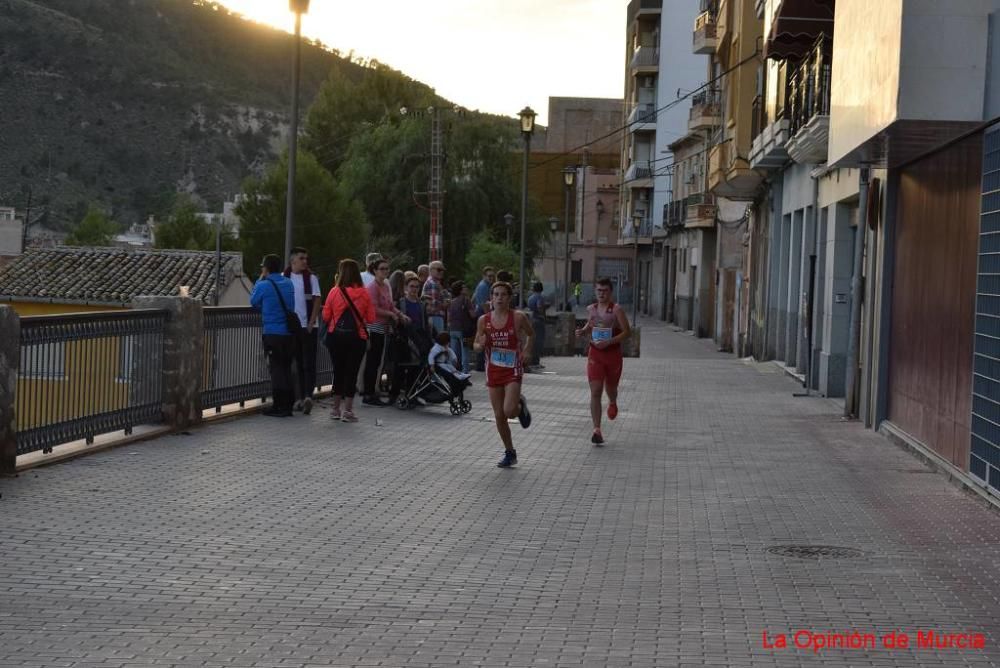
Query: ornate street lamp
x=508 y=219
x=299 y=7
x=569 y=175
x=527 y=129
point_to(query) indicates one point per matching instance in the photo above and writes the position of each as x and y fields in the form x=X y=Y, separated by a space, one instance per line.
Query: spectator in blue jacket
x=274 y=296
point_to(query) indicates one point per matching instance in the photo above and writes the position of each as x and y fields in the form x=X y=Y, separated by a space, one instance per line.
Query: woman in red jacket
x=348 y=310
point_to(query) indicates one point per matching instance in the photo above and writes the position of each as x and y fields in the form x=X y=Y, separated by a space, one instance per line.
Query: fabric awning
x=796 y=26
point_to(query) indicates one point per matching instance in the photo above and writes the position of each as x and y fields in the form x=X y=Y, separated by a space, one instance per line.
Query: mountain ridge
x=125 y=103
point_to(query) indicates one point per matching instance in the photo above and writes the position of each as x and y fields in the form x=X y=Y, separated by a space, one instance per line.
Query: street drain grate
x=815 y=552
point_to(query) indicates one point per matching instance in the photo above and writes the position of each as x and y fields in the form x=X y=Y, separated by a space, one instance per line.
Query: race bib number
x=503 y=357
x=600 y=334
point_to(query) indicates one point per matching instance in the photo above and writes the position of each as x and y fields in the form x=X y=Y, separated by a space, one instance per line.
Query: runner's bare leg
x=596 y=390
x=497 y=395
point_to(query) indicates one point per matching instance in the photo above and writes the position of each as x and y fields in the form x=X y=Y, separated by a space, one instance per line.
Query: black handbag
x=291 y=317
x=344 y=325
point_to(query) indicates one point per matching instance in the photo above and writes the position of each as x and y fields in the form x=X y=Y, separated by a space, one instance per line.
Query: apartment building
x=661 y=71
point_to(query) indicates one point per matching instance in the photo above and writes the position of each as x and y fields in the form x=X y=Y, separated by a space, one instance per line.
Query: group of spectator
x=361 y=319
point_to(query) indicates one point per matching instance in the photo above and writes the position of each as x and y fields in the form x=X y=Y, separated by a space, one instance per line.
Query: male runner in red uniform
x=505 y=336
x=607 y=326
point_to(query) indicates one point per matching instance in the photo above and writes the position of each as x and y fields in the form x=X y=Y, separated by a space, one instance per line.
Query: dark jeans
x=305 y=363
x=279 y=349
x=373 y=362
x=346 y=350
x=539 y=341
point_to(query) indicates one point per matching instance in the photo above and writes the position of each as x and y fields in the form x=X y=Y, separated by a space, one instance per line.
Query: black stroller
x=427 y=383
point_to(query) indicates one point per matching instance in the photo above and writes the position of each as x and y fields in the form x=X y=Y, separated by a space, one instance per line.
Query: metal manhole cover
x=815 y=552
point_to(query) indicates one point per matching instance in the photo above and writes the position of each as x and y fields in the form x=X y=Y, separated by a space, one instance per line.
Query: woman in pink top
x=348 y=309
x=386 y=315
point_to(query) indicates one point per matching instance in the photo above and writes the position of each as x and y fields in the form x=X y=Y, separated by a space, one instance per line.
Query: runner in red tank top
x=505 y=336
x=607 y=326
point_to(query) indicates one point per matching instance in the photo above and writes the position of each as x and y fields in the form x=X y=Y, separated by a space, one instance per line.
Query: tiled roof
x=113 y=276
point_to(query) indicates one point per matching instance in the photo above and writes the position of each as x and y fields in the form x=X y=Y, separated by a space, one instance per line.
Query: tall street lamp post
x=300 y=7
x=569 y=174
x=527 y=128
x=508 y=219
x=554 y=225
x=636 y=222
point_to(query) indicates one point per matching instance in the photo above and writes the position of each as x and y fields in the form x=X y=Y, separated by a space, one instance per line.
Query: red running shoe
x=612 y=411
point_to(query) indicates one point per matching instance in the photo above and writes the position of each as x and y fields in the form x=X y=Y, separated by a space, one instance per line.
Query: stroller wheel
x=455 y=409
x=466 y=406
x=402 y=403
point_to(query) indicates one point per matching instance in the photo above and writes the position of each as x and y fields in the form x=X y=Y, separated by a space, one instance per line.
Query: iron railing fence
x=85 y=374
x=235 y=368
x=324 y=365
x=809 y=86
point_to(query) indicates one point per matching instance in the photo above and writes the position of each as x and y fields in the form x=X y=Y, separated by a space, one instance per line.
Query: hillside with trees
x=129 y=108
x=121 y=103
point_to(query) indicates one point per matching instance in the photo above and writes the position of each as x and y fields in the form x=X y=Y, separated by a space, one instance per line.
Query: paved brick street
x=263 y=542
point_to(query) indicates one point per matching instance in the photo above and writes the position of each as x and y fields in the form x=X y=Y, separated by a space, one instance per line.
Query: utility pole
x=300 y=7
x=581 y=196
x=434 y=192
x=218 y=257
x=26 y=223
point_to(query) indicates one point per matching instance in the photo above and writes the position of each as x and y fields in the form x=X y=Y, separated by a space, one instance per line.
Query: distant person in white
x=371 y=261
x=308 y=305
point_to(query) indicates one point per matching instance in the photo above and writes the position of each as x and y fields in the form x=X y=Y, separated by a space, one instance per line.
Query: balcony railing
x=703 y=40
x=646 y=56
x=758 y=117
x=81 y=375
x=809 y=86
x=706 y=98
x=642 y=113
x=706 y=110
x=640 y=169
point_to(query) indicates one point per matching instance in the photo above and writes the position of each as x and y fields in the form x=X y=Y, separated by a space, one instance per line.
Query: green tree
x=382 y=169
x=186 y=230
x=96 y=229
x=390 y=246
x=344 y=108
x=328 y=222
x=486 y=251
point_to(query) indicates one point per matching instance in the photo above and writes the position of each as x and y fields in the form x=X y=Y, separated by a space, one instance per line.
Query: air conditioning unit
x=643 y=196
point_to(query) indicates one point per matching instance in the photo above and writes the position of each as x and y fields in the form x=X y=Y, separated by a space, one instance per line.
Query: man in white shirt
x=308 y=304
x=371 y=261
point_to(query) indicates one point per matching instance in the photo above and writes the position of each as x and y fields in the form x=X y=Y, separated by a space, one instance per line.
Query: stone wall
x=10 y=350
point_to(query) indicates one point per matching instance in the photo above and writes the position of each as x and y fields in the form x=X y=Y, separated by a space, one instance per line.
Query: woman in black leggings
x=348 y=310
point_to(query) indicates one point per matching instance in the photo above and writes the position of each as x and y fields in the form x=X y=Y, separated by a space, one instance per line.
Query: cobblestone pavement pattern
x=262 y=542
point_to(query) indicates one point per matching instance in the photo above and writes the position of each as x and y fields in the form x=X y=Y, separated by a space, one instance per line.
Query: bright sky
x=490 y=55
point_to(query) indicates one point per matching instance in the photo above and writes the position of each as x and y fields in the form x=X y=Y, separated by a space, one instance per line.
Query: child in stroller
x=434 y=383
x=443 y=360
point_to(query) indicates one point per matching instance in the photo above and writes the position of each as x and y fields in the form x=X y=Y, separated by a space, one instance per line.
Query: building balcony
x=706 y=111
x=704 y=39
x=769 y=150
x=642 y=118
x=638 y=8
x=639 y=175
x=730 y=176
x=701 y=211
x=645 y=60
x=645 y=235
x=808 y=97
